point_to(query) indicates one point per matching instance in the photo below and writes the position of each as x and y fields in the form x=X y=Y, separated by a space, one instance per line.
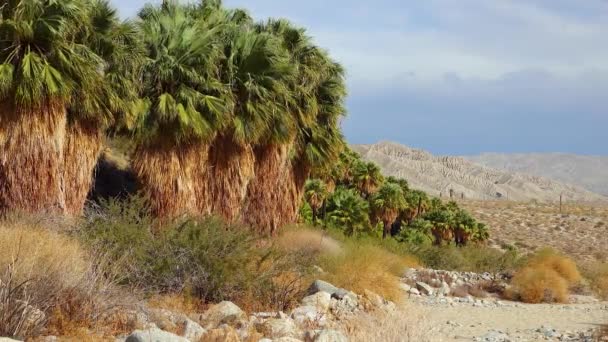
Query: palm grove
x=229 y=116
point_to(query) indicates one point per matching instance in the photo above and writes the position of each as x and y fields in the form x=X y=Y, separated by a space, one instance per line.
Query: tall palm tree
x=386 y=204
x=367 y=177
x=442 y=221
x=315 y=193
x=255 y=68
x=89 y=114
x=43 y=69
x=183 y=97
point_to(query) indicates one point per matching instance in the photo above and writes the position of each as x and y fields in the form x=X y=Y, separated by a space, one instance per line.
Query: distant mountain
x=438 y=174
x=589 y=172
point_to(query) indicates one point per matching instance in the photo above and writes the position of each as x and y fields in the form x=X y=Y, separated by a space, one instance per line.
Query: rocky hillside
x=440 y=174
x=589 y=172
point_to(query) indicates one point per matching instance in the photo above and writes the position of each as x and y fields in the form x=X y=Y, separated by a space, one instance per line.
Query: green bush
x=470 y=258
x=203 y=257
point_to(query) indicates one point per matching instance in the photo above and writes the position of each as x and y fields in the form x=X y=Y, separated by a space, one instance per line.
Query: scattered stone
x=320 y=300
x=222 y=313
x=280 y=327
x=154 y=335
x=424 y=288
x=192 y=330
x=494 y=336
x=414 y=291
x=307 y=315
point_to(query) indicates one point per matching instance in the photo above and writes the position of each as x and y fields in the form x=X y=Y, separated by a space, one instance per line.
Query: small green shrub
x=470 y=258
x=205 y=258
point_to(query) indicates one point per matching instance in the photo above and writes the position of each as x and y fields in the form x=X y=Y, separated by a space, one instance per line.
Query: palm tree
x=347 y=211
x=442 y=221
x=89 y=114
x=386 y=205
x=417 y=232
x=315 y=193
x=303 y=138
x=256 y=69
x=43 y=69
x=367 y=177
x=464 y=227
x=184 y=107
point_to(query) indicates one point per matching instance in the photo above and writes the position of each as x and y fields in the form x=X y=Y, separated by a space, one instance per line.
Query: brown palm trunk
x=231 y=168
x=168 y=176
x=83 y=144
x=31 y=158
x=261 y=209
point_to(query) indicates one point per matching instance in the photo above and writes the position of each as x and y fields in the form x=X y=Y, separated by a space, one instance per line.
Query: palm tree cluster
x=229 y=116
x=354 y=197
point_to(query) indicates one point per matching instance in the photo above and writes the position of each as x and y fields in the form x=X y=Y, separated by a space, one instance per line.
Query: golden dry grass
x=547 y=277
x=310 y=240
x=362 y=267
x=580 y=230
x=597 y=275
x=400 y=326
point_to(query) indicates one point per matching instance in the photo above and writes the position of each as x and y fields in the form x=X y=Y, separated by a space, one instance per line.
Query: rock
x=548 y=332
x=222 y=313
x=265 y=340
x=414 y=291
x=165 y=320
x=154 y=335
x=305 y=315
x=192 y=330
x=322 y=286
x=286 y=339
x=320 y=300
x=330 y=336
x=280 y=327
x=373 y=298
x=225 y=333
x=424 y=288
x=494 y=336
x=405 y=287
x=6 y=339
x=445 y=289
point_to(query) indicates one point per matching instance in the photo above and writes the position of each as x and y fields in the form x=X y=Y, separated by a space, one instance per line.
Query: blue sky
x=463 y=76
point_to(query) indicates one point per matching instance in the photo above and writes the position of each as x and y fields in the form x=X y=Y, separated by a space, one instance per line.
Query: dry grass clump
x=47 y=281
x=400 y=326
x=547 y=277
x=597 y=275
x=313 y=241
x=366 y=267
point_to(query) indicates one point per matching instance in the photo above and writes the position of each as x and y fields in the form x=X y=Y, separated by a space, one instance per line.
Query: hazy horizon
x=461 y=78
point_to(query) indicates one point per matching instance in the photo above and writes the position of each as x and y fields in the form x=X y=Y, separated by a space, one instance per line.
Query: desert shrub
x=43 y=275
x=546 y=277
x=204 y=258
x=468 y=258
x=364 y=266
x=597 y=275
x=539 y=284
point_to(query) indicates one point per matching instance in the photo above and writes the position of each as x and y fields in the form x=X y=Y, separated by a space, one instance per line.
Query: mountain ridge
x=440 y=174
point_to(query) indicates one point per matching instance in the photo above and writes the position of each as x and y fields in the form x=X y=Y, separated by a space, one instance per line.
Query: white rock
x=424 y=288
x=404 y=287
x=280 y=327
x=320 y=300
x=154 y=335
x=224 y=312
x=414 y=291
x=304 y=315
x=192 y=330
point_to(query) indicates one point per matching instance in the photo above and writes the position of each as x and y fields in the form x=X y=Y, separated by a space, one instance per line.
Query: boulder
x=222 y=313
x=154 y=335
x=414 y=291
x=330 y=336
x=320 y=300
x=286 y=339
x=225 y=333
x=165 y=320
x=323 y=286
x=373 y=298
x=405 y=287
x=279 y=327
x=305 y=315
x=6 y=339
x=192 y=330
x=424 y=288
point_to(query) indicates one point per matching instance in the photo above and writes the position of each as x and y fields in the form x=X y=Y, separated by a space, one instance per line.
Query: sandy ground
x=522 y=322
